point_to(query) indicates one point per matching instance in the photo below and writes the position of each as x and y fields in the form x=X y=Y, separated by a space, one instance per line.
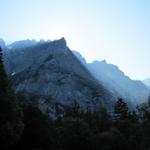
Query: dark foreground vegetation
x=24 y=127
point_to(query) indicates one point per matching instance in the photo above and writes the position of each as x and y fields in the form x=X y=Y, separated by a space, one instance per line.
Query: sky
x=115 y=30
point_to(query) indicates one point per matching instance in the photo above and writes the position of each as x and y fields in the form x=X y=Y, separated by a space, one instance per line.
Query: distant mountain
x=2 y=44
x=51 y=74
x=147 y=82
x=25 y=43
x=116 y=81
x=22 y=44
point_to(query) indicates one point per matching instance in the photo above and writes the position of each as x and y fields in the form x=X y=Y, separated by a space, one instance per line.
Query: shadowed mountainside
x=51 y=74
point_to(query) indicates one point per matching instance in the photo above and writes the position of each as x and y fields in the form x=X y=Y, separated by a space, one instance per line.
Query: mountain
x=147 y=82
x=116 y=81
x=50 y=73
x=2 y=44
x=22 y=44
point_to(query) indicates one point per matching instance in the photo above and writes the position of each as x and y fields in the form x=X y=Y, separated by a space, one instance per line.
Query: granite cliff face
x=116 y=81
x=51 y=74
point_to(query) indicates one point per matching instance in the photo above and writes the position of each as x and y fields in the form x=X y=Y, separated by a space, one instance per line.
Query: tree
x=73 y=111
x=38 y=132
x=74 y=134
x=121 y=109
x=11 y=125
x=3 y=76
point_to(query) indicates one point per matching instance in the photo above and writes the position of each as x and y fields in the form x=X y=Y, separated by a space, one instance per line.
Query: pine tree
x=3 y=77
x=121 y=109
x=11 y=125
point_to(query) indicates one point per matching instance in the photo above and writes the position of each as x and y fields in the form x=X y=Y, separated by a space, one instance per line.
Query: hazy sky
x=115 y=30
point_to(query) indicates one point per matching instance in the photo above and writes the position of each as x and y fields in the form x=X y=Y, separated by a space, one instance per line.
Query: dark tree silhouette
x=11 y=125
x=121 y=109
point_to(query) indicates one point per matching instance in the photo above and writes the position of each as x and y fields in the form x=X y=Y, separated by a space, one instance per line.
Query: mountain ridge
x=65 y=76
x=116 y=81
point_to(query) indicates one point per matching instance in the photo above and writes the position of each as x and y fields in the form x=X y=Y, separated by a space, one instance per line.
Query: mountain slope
x=50 y=72
x=116 y=81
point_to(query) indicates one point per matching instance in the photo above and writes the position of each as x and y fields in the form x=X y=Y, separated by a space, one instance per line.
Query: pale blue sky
x=115 y=30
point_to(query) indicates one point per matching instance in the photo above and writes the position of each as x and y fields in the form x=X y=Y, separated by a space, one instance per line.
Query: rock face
x=116 y=81
x=51 y=74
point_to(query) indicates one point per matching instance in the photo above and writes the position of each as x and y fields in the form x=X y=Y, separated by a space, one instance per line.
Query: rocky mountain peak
x=61 y=42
